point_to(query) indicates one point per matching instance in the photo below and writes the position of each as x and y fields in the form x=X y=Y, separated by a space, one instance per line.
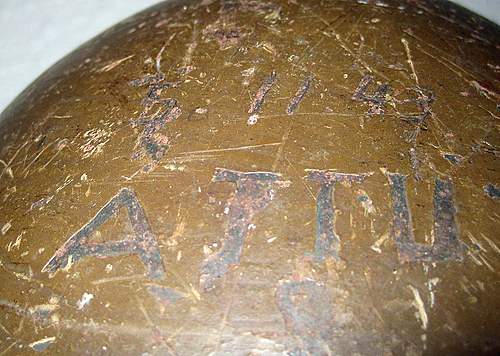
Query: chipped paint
x=43 y=344
x=84 y=301
x=419 y=305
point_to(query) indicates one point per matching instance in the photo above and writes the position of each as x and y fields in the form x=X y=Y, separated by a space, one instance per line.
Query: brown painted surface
x=111 y=168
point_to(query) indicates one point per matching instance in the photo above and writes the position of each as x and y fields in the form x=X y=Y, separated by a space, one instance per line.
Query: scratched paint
x=366 y=295
x=229 y=5
x=43 y=344
x=254 y=192
x=447 y=245
x=155 y=84
x=225 y=37
x=38 y=313
x=258 y=7
x=423 y=100
x=143 y=244
x=327 y=243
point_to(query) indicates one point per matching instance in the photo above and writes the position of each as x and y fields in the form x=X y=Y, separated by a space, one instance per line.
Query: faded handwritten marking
x=377 y=101
x=447 y=245
x=254 y=192
x=150 y=142
x=258 y=101
x=327 y=241
x=299 y=95
x=143 y=244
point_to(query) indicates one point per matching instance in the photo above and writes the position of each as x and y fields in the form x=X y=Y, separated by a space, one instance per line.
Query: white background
x=34 y=34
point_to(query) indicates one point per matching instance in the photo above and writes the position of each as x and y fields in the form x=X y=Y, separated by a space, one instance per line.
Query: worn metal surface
x=247 y=177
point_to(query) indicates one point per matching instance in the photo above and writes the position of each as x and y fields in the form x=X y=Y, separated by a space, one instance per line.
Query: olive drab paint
x=234 y=177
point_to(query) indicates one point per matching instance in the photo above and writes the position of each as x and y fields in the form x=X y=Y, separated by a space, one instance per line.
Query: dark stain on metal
x=299 y=95
x=493 y=191
x=447 y=245
x=254 y=192
x=327 y=242
x=305 y=306
x=377 y=101
x=143 y=245
x=164 y=295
